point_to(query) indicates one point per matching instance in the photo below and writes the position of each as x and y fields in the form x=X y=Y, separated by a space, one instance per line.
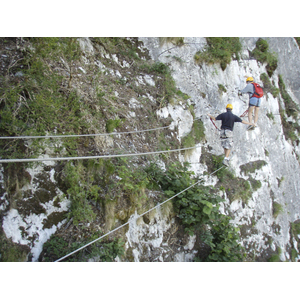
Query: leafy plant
x=219 y=50
x=39 y=101
x=277 y=209
x=224 y=174
x=262 y=55
x=111 y=125
x=294 y=233
x=268 y=86
x=223 y=239
x=79 y=192
x=177 y=41
x=57 y=247
x=291 y=107
x=275 y=257
x=270 y=116
x=222 y=88
x=292 y=110
x=195 y=136
x=198 y=209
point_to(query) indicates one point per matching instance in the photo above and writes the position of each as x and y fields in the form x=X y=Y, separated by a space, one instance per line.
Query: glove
x=239 y=93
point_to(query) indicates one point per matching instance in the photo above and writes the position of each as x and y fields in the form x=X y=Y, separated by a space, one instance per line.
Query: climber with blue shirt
x=226 y=134
x=254 y=102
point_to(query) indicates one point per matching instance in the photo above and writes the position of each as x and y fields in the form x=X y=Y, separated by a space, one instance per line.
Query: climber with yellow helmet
x=226 y=134
x=254 y=100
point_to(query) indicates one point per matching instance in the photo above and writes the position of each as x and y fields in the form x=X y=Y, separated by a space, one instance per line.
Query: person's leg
x=250 y=111
x=256 y=114
x=227 y=152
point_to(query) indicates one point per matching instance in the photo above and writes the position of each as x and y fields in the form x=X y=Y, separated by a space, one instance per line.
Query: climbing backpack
x=258 y=91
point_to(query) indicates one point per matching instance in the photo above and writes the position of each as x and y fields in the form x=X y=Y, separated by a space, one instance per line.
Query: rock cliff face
x=35 y=199
x=280 y=174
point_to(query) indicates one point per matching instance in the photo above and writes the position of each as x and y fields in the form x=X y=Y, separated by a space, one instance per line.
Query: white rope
x=127 y=223
x=82 y=135
x=78 y=135
x=88 y=157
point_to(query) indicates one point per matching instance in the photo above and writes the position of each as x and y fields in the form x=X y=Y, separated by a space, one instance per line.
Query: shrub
x=262 y=55
x=177 y=41
x=198 y=209
x=268 y=87
x=222 y=88
x=57 y=247
x=290 y=107
x=195 y=136
x=219 y=50
x=223 y=239
x=38 y=102
x=277 y=209
x=111 y=124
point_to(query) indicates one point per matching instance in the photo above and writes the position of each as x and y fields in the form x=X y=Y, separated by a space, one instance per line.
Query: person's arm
x=238 y=119
x=247 y=89
x=247 y=123
x=213 y=118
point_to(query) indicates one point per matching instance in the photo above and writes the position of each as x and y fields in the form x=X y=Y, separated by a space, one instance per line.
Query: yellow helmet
x=229 y=106
x=250 y=79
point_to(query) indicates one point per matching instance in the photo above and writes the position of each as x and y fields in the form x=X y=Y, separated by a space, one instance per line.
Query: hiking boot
x=226 y=162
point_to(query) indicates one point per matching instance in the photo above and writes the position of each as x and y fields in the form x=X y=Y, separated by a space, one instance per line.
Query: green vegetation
x=111 y=125
x=195 y=136
x=176 y=41
x=268 y=86
x=57 y=247
x=222 y=89
x=168 y=90
x=292 y=110
x=198 y=210
x=277 y=209
x=275 y=257
x=297 y=40
x=219 y=50
x=40 y=101
x=224 y=174
x=294 y=233
x=236 y=188
x=270 y=116
x=79 y=191
x=94 y=181
x=121 y=46
x=222 y=237
x=262 y=55
x=251 y=167
x=11 y=252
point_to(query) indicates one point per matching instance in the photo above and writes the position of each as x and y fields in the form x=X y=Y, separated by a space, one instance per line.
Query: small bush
x=195 y=136
x=177 y=41
x=223 y=239
x=290 y=107
x=262 y=55
x=111 y=124
x=222 y=88
x=268 y=87
x=277 y=209
x=219 y=50
x=270 y=116
x=198 y=209
x=57 y=247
